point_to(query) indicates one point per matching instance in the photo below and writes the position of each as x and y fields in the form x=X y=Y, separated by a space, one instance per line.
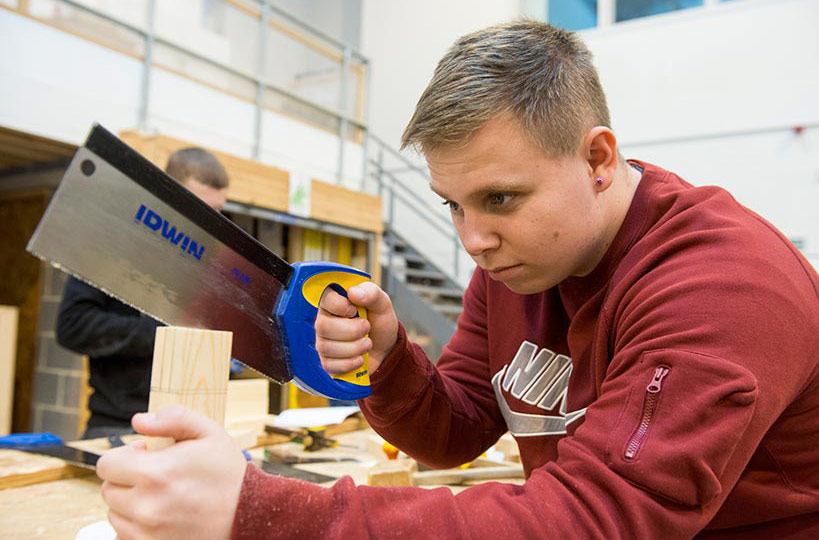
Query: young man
x=118 y=339
x=652 y=346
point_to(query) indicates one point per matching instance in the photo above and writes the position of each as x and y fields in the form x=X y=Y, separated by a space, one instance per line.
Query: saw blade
x=121 y=224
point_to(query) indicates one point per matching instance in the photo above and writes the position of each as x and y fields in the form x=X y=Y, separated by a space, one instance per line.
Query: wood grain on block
x=191 y=368
x=8 y=355
x=397 y=472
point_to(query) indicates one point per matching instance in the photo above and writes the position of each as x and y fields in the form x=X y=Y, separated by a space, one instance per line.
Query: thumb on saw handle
x=296 y=313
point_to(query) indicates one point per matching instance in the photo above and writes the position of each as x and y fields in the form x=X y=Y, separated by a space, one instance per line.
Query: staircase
x=427 y=296
x=424 y=279
x=425 y=299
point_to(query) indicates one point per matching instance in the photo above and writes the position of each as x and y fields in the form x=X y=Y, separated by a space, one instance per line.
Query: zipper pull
x=656 y=383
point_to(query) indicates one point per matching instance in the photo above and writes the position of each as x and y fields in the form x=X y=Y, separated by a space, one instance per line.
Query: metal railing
x=395 y=191
x=138 y=36
x=133 y=31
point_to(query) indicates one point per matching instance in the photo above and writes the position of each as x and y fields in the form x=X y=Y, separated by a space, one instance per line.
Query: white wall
x=702 y=72
x=56 y=85
x=405 y=40
x=700 y=78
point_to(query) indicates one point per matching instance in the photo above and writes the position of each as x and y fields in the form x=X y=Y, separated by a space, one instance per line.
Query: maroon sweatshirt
x=671 y=392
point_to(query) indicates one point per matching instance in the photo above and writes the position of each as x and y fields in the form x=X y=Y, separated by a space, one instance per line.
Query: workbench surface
x=59 y=509
x=52 y=510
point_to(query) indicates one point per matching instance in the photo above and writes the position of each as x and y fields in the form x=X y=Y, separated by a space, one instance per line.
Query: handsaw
x=48 y=444
x=121 y=224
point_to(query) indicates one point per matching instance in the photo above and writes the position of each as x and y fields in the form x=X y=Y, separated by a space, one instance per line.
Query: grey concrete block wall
x=59 y=372
x=59 y=422
x=53 y=356
x=45 y=388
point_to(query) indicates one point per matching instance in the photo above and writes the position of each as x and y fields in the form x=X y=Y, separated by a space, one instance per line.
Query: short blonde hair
x=540 y=75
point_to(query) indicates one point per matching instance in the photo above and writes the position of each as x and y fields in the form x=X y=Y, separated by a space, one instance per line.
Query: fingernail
x=355 y=289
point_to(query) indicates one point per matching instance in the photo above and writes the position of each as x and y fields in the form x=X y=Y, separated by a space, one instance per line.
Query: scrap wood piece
x=244 y=438
x=19 y=468
x=247 y=398
x=459 y=476
x=354 y=422
x=246 y=410
x=190 y=367
x=270 y=439
x=397 y=472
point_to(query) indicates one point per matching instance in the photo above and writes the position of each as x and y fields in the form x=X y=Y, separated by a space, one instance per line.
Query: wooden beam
x=398 y=472
x=337 y=204
x=251 y=182
x=8 y=356
x=20 y=285
x=191 y=368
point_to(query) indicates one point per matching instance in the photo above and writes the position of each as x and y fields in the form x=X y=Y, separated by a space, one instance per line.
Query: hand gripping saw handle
x=296 y=312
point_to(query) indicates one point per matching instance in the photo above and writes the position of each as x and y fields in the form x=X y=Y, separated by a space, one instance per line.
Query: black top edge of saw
x=128 y=161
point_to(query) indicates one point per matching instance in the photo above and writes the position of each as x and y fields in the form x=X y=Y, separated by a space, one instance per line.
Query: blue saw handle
x=296 y=312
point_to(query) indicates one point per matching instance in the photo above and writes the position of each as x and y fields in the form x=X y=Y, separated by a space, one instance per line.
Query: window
x=632 y=9
x=572 y=14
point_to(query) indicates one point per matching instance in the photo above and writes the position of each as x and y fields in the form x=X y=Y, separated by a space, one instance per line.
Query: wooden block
x=255 y=424
x=398 y=472
x=247 y=398
x=191 y=368
x=244 y=438
x=8 y=355
x=246 y=410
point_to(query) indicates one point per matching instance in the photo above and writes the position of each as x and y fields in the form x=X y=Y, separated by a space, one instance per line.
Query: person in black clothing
x=117 y=339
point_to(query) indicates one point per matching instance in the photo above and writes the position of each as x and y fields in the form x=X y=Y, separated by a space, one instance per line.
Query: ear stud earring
x=599 y=180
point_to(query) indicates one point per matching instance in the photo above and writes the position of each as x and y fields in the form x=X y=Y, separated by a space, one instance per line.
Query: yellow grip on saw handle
x=296 y=313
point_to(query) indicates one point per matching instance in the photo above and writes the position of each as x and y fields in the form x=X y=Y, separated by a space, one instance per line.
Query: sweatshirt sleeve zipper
x=652 y=397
